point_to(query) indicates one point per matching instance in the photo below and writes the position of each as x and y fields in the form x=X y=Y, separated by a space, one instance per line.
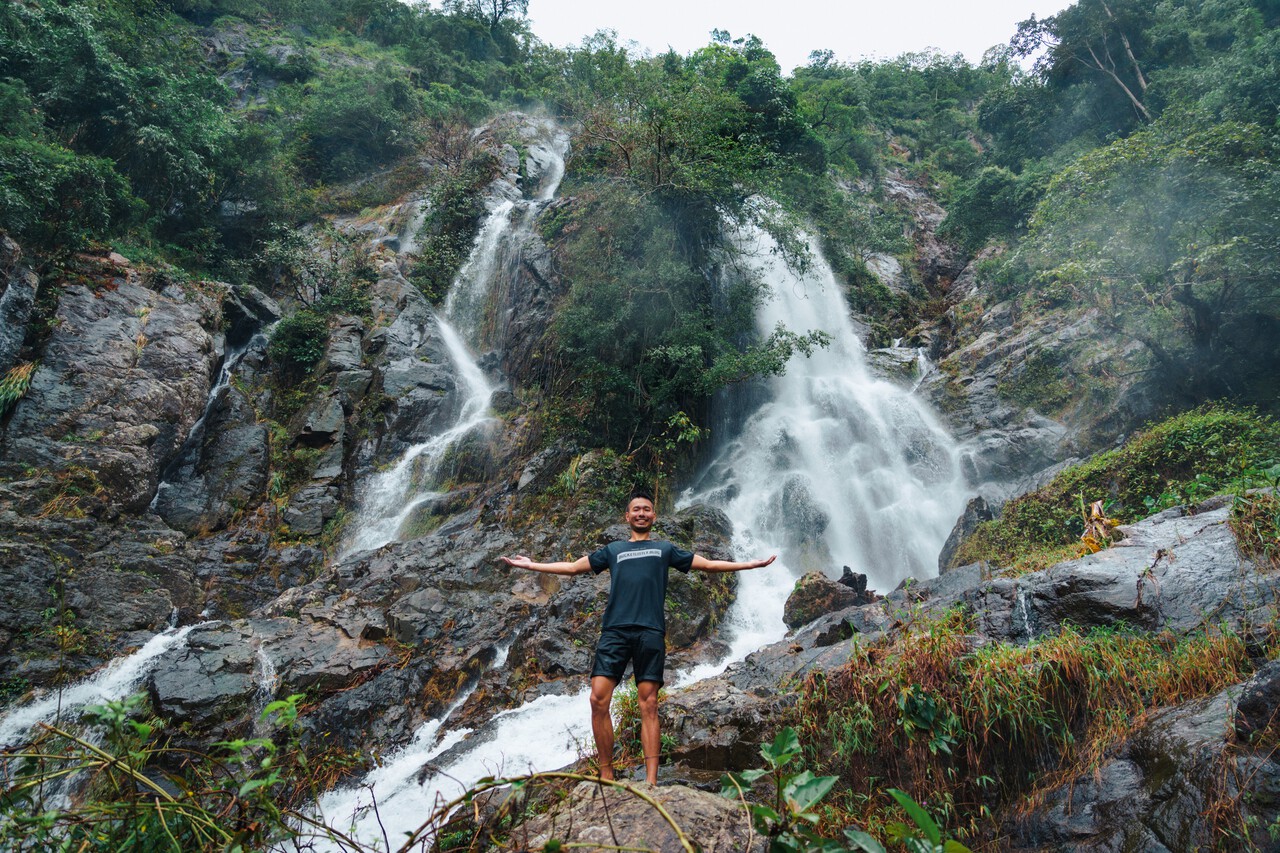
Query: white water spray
x=838 y=468
x=117 y=680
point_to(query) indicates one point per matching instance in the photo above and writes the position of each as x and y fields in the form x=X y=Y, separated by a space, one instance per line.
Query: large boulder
x=615 y=818
x=815 y=595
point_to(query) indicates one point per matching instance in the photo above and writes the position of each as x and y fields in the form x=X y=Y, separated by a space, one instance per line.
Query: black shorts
x=644 y=648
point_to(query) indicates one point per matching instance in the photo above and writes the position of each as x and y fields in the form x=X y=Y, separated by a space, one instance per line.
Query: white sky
x=853 y=29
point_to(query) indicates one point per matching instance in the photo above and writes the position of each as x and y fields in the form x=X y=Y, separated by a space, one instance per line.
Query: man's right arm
x=577 y=567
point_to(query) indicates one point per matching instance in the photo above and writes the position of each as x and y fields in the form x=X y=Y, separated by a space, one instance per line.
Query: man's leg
x=602 y=723
x=650 y=734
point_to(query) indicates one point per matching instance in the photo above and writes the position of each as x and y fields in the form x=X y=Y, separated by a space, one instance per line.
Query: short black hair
x=639 y=492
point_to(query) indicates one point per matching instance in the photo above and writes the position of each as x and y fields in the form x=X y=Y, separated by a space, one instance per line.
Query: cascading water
x=835 y=466
x=116 y=681
x=390 y=498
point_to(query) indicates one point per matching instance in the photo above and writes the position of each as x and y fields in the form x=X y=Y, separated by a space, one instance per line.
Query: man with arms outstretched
x=634 y=626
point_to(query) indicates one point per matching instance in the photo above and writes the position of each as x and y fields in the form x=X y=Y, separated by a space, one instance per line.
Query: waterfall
x=837 y=467
x=391 y=498
x=116 y=681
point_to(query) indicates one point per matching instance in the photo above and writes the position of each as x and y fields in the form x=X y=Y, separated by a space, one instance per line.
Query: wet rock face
x=1178 y=570
x=1258 y=709
x=1159 y=788
x=613 y=818
x=975 y=512
x=816 y=595
x=417 y=378
x=109 y=582
x=18 y=285
x=120 y=384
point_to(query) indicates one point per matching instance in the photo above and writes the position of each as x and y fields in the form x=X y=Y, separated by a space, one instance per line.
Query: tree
x=1096 y=36
x=1174 y=233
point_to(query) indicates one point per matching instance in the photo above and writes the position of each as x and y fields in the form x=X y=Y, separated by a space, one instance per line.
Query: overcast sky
x=853 y=29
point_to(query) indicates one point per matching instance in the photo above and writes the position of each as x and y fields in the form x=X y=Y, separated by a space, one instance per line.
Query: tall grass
x=965 y=727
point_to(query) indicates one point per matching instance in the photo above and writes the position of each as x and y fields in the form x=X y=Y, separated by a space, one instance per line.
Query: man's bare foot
x=606 y=774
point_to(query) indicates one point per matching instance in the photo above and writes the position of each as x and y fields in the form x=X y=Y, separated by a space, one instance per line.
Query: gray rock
x=323 y=423
x=344 y=352
x=595 y=814
x=1155 y=789
x=1258 y=708
x=975 y=512
x=16 y=301
x=310 y=509
x=816 y=595
x=121 y=382
x=208 y=679
x=224 y=471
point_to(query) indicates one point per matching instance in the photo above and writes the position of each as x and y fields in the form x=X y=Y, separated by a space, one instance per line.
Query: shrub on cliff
x=1182 y=460
x=298 y=341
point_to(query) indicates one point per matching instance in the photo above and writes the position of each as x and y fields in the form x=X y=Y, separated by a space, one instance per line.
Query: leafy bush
x=448 y=232
x=1181 y=460
x=298 y=341
x=51 y=198
x=359 y=119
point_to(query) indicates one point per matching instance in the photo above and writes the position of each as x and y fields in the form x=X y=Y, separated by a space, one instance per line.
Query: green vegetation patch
x=968 y=729
x=1182 y=460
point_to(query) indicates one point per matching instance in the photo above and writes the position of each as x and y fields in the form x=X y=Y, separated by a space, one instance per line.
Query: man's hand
x=702 y=564
x=563 y=567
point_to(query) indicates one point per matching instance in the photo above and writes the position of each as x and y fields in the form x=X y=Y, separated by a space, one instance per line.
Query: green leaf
x=862 y=841
x=785 y=747
x=806 y=789
x=919 y=815
x=952 y=846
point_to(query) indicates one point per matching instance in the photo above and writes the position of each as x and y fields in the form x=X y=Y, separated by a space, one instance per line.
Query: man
x=634 y=625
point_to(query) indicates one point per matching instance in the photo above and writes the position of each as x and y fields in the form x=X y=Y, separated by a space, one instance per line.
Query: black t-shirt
x=638 y=581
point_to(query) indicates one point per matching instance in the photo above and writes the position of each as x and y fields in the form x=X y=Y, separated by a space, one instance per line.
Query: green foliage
x=701 y=134
x=1038 y=382
x=1181 y=460
x=790 y=820
x=648 y=335
x=145 y=795
x=1255 y=519
x=357 y=120
x=14 y=385
x=1171 y=232
x=322 y=268
x=450 y=228
x=994 y=202
x=298 y=341
x=51 y=198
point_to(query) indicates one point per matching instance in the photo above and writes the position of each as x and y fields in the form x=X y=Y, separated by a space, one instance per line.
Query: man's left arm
x=702 y=564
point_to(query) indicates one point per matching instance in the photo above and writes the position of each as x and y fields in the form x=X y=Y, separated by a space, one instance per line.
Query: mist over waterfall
x=390 y=499
x=836 y=467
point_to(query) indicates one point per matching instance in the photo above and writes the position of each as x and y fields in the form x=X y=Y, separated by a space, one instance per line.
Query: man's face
x=640 y=515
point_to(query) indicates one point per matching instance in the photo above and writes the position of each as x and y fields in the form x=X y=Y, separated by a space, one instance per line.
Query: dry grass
x=966 y=728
